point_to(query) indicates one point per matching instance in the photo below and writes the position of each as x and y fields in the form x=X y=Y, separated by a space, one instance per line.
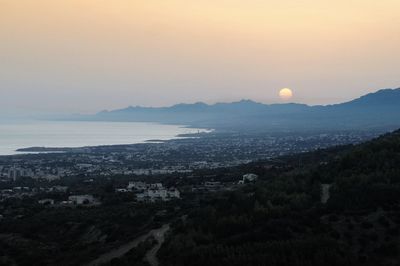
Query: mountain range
x=378 y=110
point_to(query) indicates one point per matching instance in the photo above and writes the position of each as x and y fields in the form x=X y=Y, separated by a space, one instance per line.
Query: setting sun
x=286 y=94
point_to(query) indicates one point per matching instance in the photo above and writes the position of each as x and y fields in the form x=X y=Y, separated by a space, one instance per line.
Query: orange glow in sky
x=160 y=52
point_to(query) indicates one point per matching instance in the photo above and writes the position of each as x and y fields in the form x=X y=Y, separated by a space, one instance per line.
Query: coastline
x=40 y=150
x=39 y=137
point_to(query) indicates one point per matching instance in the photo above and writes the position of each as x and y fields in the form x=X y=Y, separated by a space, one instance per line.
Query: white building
x=157 y=194
x=156 y=186
x=46 y=201
x=174 y=193
x=137 y=186
x=153 y=195
x=81 y=199
x=250 y=178
x=15 y=172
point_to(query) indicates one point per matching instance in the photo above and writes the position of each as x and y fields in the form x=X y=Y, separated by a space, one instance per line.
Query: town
x=181 y=156
x=150 y=172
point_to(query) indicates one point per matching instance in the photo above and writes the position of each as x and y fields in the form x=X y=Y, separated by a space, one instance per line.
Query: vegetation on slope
x=280 y=220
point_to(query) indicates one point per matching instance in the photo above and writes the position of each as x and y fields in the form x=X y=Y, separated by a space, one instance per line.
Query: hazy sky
x=88 y=55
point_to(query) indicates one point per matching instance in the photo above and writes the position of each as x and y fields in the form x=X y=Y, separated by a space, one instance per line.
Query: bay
x=23 y=134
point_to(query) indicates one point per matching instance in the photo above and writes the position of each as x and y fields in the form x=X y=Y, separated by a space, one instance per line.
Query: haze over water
x=16 y=135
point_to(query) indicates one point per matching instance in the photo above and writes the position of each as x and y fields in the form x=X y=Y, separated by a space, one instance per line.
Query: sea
x=24 y=134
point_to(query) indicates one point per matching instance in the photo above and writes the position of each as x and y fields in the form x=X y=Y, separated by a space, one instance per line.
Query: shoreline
x=35 y=150
x=38 y=137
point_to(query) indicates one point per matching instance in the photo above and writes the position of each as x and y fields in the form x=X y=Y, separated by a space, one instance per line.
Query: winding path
x=325 y=193
x=151 y=255
x=158 y=234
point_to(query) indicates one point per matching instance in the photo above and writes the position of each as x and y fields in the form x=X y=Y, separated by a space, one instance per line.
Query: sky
x=71 y=56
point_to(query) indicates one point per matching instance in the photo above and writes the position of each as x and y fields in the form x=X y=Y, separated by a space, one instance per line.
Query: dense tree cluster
x=70 y=236
x=280 y=220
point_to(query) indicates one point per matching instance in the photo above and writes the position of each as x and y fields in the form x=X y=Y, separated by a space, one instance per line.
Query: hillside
x=280 y=220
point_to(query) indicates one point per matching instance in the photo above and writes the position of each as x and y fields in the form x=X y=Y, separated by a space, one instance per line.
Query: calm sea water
x=15 y=135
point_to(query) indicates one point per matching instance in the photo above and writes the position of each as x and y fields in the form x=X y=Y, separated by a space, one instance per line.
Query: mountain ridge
x=382 y=93
x=373 y=110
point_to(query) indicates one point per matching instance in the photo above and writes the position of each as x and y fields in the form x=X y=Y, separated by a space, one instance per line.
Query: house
x=156 y=186
x=14 y=173
x=81 y=199
x=137 y=186
x=250 y=178
x=157 y=194
x=162 y=194
x=46 y=201
x=174 y=193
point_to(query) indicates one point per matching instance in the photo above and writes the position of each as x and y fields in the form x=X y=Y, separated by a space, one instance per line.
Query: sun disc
x=285 y=94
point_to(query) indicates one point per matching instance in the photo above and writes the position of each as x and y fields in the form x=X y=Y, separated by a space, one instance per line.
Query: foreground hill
x=338 y=206
x=280 y=220
x=375 y=110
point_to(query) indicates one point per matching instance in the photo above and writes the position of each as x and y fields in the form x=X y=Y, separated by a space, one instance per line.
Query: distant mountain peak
x=190 y=104
x=247 y=101
x=382 y=97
